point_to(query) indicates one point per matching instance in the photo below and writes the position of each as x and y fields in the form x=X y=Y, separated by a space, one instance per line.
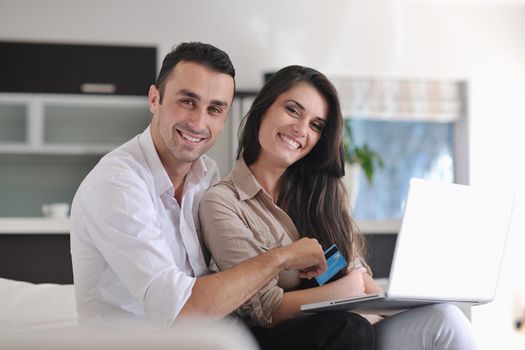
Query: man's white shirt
x=135 y=251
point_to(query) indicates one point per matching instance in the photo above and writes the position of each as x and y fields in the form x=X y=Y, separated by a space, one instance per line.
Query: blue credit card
x=335 y=262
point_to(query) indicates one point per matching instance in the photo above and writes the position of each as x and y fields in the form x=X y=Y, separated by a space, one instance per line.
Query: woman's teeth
x=290 y=141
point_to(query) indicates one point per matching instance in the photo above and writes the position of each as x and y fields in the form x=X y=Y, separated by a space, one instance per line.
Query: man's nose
x=197 y=119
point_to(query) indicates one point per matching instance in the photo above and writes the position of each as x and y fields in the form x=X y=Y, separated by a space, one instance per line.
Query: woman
x=286 y=184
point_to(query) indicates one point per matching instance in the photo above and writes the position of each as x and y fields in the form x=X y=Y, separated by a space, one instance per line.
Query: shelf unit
x=49 y=142
x=68 y=124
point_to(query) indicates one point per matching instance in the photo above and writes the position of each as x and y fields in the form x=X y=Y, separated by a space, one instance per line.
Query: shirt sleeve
x=120 y=218
x=230 y=242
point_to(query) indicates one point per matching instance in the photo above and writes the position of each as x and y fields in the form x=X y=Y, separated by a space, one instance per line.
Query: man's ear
x=154 y=99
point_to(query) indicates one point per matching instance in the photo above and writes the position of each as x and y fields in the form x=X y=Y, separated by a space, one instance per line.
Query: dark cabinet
x=36 y=258
x=380 y=253
x=17 y=67
x=76 y=69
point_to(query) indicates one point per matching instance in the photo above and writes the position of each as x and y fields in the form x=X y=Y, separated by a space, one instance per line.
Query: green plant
x=368 y=159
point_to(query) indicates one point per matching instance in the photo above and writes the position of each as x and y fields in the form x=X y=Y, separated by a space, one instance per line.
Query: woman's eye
x=318 y=126
x=292 y=110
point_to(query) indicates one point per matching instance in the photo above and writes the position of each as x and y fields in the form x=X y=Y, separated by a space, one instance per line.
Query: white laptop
x=449 y=249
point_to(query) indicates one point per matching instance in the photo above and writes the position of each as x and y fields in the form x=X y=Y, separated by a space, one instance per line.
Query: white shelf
x=34 y=226
x=69 y=124
x=69 y=99
x=46 y=226
x=379 y=226
x=71 y=149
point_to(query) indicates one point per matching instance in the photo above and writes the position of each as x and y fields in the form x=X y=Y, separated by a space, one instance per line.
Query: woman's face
x=292 y=125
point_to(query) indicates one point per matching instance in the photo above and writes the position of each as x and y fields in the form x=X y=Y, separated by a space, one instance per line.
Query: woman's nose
x=299 y=128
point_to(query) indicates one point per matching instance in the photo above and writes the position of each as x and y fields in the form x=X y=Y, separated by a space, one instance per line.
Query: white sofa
x=43 y=316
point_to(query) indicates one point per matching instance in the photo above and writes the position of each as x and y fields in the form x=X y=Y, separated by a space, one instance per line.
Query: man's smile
x=190 y=138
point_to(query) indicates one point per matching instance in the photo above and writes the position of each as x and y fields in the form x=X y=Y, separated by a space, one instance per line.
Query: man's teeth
x=191 y=139
x=289 y=141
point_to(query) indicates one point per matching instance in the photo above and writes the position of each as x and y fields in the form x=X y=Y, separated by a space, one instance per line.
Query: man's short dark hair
x=205 y=54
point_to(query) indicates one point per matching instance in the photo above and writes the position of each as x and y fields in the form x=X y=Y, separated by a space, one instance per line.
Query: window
x=418 y=128
x=409 y=149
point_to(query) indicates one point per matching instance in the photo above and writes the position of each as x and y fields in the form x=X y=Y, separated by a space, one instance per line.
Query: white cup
x=56 y=210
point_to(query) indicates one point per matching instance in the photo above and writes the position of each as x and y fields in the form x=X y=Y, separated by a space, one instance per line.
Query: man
x=134 y=244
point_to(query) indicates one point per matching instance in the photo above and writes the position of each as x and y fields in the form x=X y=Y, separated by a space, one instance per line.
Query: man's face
x=195 y=104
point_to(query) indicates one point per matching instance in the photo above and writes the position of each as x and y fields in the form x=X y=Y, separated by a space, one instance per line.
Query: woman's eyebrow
x=301 y=107
x=297 y=103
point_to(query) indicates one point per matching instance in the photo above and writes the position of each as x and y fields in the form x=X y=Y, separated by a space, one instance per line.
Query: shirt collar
x=198 y=168
x=160 y=176
x=243 y=179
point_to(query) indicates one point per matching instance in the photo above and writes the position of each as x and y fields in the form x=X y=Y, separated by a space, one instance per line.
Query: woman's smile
x=290 y=141
x=290 y=126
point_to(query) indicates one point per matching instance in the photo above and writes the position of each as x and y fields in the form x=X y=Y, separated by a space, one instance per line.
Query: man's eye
x=215 y=110
x=188 y=102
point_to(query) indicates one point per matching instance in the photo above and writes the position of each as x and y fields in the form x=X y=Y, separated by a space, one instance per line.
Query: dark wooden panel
x=46 y=258
x=380 y=251
x=17 y=67
x=37 y=258
x=64 y=68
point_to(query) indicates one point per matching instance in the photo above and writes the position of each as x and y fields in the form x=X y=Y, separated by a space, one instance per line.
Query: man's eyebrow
x=219 y=103
x=195 y=96
x=189 y=93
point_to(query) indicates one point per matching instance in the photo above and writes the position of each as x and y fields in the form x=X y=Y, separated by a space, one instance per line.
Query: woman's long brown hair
x=311 y=191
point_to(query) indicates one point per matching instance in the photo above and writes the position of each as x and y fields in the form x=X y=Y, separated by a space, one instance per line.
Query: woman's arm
x=231 y=242
x=350 y=285
x=353 y=284
x=371 y=286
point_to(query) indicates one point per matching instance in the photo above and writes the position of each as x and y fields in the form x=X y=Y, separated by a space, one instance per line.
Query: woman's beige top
x=239 y=220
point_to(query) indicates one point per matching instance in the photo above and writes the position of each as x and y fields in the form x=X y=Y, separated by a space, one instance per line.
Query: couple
x=137 y=229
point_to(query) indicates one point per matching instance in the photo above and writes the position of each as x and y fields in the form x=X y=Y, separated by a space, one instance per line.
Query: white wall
x=482 y=43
